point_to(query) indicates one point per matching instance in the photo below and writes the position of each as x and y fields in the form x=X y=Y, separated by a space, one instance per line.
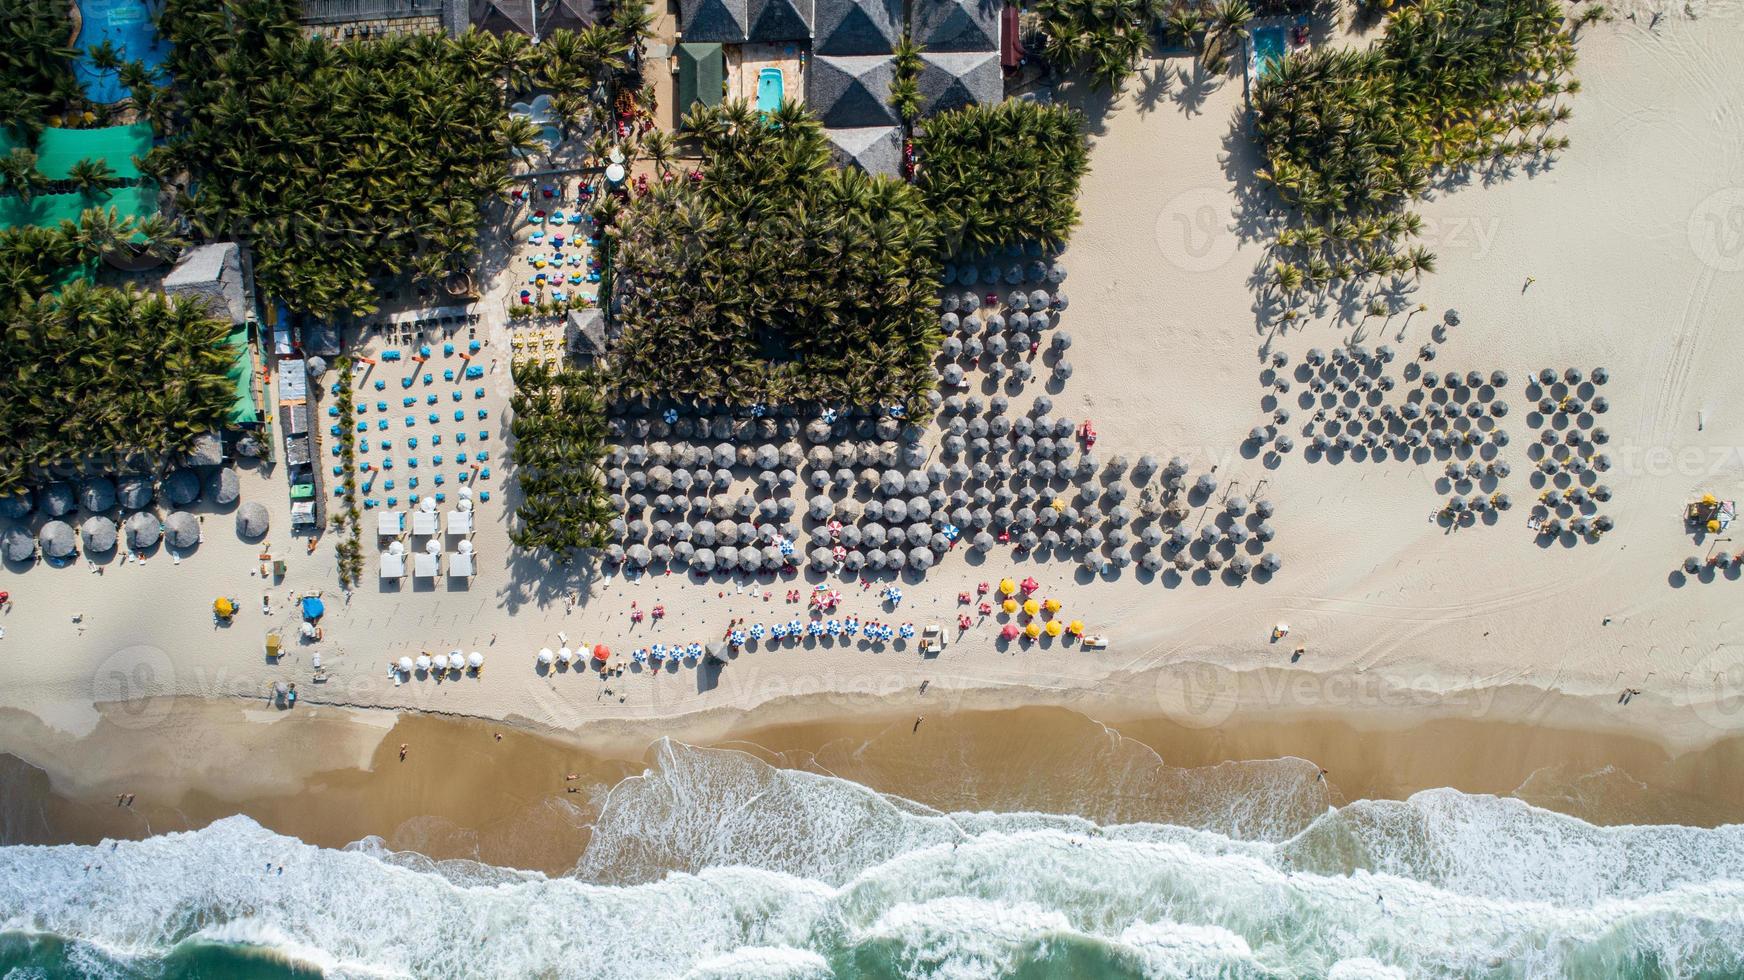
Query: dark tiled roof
x=780 y=20
x=714 y=20
x=849 y=27
x=874 y=149
x=953 y=79
x=852 y=92
x=956 y=25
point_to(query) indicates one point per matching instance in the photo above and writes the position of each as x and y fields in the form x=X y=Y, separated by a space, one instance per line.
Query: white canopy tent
x=390 y=523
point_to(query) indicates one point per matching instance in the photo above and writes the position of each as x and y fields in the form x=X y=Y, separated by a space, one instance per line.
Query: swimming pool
x=1267 y=47
x=769 y=86
x=128 y=25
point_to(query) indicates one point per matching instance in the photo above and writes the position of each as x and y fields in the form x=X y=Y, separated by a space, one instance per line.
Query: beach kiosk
x=390 y=523
x=460 y=519
x=424 y=518
x=427 y=562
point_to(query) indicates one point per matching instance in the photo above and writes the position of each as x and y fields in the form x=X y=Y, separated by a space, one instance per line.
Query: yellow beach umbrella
x=223 y=606
x=1054 y=628
x=1009 y=605
x=1032 y=630
x=1076 y=626
x=1058 y=504
x=1031 y=607
x=1007 y=586
x=1052 y=605
x=1709 y=499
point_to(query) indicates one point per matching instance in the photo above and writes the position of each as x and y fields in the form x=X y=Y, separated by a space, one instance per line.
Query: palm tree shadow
x=1197 y=86
x=1154 y=85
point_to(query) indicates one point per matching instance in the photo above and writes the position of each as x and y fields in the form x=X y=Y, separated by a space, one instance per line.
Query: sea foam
x=715 y=864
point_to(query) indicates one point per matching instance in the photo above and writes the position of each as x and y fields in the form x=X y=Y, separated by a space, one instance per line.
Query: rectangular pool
x=769 y=89
x=1267 y=46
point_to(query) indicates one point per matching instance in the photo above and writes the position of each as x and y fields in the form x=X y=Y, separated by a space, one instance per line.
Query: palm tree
x=18 y=168
x=156 y=237
x=88 y=176
x=657 y=146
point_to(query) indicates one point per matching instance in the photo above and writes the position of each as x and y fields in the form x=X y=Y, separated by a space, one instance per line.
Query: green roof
x=243 y=411
x=702 y=74
x=58 y=149
x=49 y=210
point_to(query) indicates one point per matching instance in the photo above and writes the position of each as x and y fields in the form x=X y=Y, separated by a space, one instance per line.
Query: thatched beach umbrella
x=223 y=487
x=251 y=520
x=56 y=538
x=181 y=530
x=16 y=506
x=143 y=530
x=181 y=487
x=58 y=499
x=98 y=534
x=97 y=494
x=17 y=544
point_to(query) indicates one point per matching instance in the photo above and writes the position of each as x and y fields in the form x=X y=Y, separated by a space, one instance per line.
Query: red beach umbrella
x=601 y=652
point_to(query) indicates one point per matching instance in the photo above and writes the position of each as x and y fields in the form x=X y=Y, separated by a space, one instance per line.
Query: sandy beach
x=1619 y=255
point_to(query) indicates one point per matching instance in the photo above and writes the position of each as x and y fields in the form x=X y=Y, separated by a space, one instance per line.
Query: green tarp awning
x=243 y=411
x=49 y=210
x=58 y=149
x=702 y=74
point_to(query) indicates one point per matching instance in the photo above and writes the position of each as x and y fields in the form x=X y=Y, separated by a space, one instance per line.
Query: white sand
x=1402 y=619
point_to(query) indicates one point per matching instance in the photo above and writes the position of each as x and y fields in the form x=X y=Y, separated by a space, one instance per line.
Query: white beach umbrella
x=466 y=547
x=476 y=660
x=405 y=665
x=427 y=505
x=397 y=548
x=433 y=547
x=423 y=661
x=545 y=655
x=565 y=655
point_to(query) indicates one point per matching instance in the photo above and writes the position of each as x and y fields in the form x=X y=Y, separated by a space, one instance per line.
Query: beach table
x=390 y=523
x=423 y=523
x=460 y=522
x=459 y=565
x=393 y=566
x=425 y=565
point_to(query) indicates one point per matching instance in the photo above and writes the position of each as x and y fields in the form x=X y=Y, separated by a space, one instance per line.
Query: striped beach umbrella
x=757 y=631
x=907 y=631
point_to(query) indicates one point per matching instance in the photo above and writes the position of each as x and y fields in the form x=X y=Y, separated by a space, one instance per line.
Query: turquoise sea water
x=714 y=864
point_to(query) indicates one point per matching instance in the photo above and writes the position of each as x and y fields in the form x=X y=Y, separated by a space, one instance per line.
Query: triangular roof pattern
x=852 y=92
x=956 y=25
x=851 y=27
x=714 y=20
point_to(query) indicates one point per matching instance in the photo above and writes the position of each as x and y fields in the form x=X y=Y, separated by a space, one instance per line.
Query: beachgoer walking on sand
x=403 y=748
x=1321 y=778
x=918 y=719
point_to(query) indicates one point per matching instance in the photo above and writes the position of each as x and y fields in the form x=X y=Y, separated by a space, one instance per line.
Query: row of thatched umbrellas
x=99 y=493
x=143 y=530
x=1010 y=270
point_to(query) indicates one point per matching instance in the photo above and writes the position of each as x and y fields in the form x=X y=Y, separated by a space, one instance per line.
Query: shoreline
x=332 y=777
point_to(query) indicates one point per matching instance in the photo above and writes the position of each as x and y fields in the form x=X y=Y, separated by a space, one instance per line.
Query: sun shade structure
x=874 y=149
x=856 y=27
x=850 y=92
x=952 y=80
x=956 y=25
x=726 y=21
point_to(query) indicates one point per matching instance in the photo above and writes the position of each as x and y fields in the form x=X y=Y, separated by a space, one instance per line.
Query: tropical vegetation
x=341 y=163
x=775 y=276
x=347 y=520
x=1350 y=138
x=1001 y=174
x=36 y=69
x=105 y=375
x=560 y=435
x=35 y=260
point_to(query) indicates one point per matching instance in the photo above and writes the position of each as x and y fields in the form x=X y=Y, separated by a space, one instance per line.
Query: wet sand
x=333 y=777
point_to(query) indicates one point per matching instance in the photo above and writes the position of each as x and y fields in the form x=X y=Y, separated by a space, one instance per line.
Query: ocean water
x=716 y=864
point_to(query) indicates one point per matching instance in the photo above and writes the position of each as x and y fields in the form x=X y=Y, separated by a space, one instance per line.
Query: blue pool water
x=769 y=89
x=126 y=23
x=1268 y=47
